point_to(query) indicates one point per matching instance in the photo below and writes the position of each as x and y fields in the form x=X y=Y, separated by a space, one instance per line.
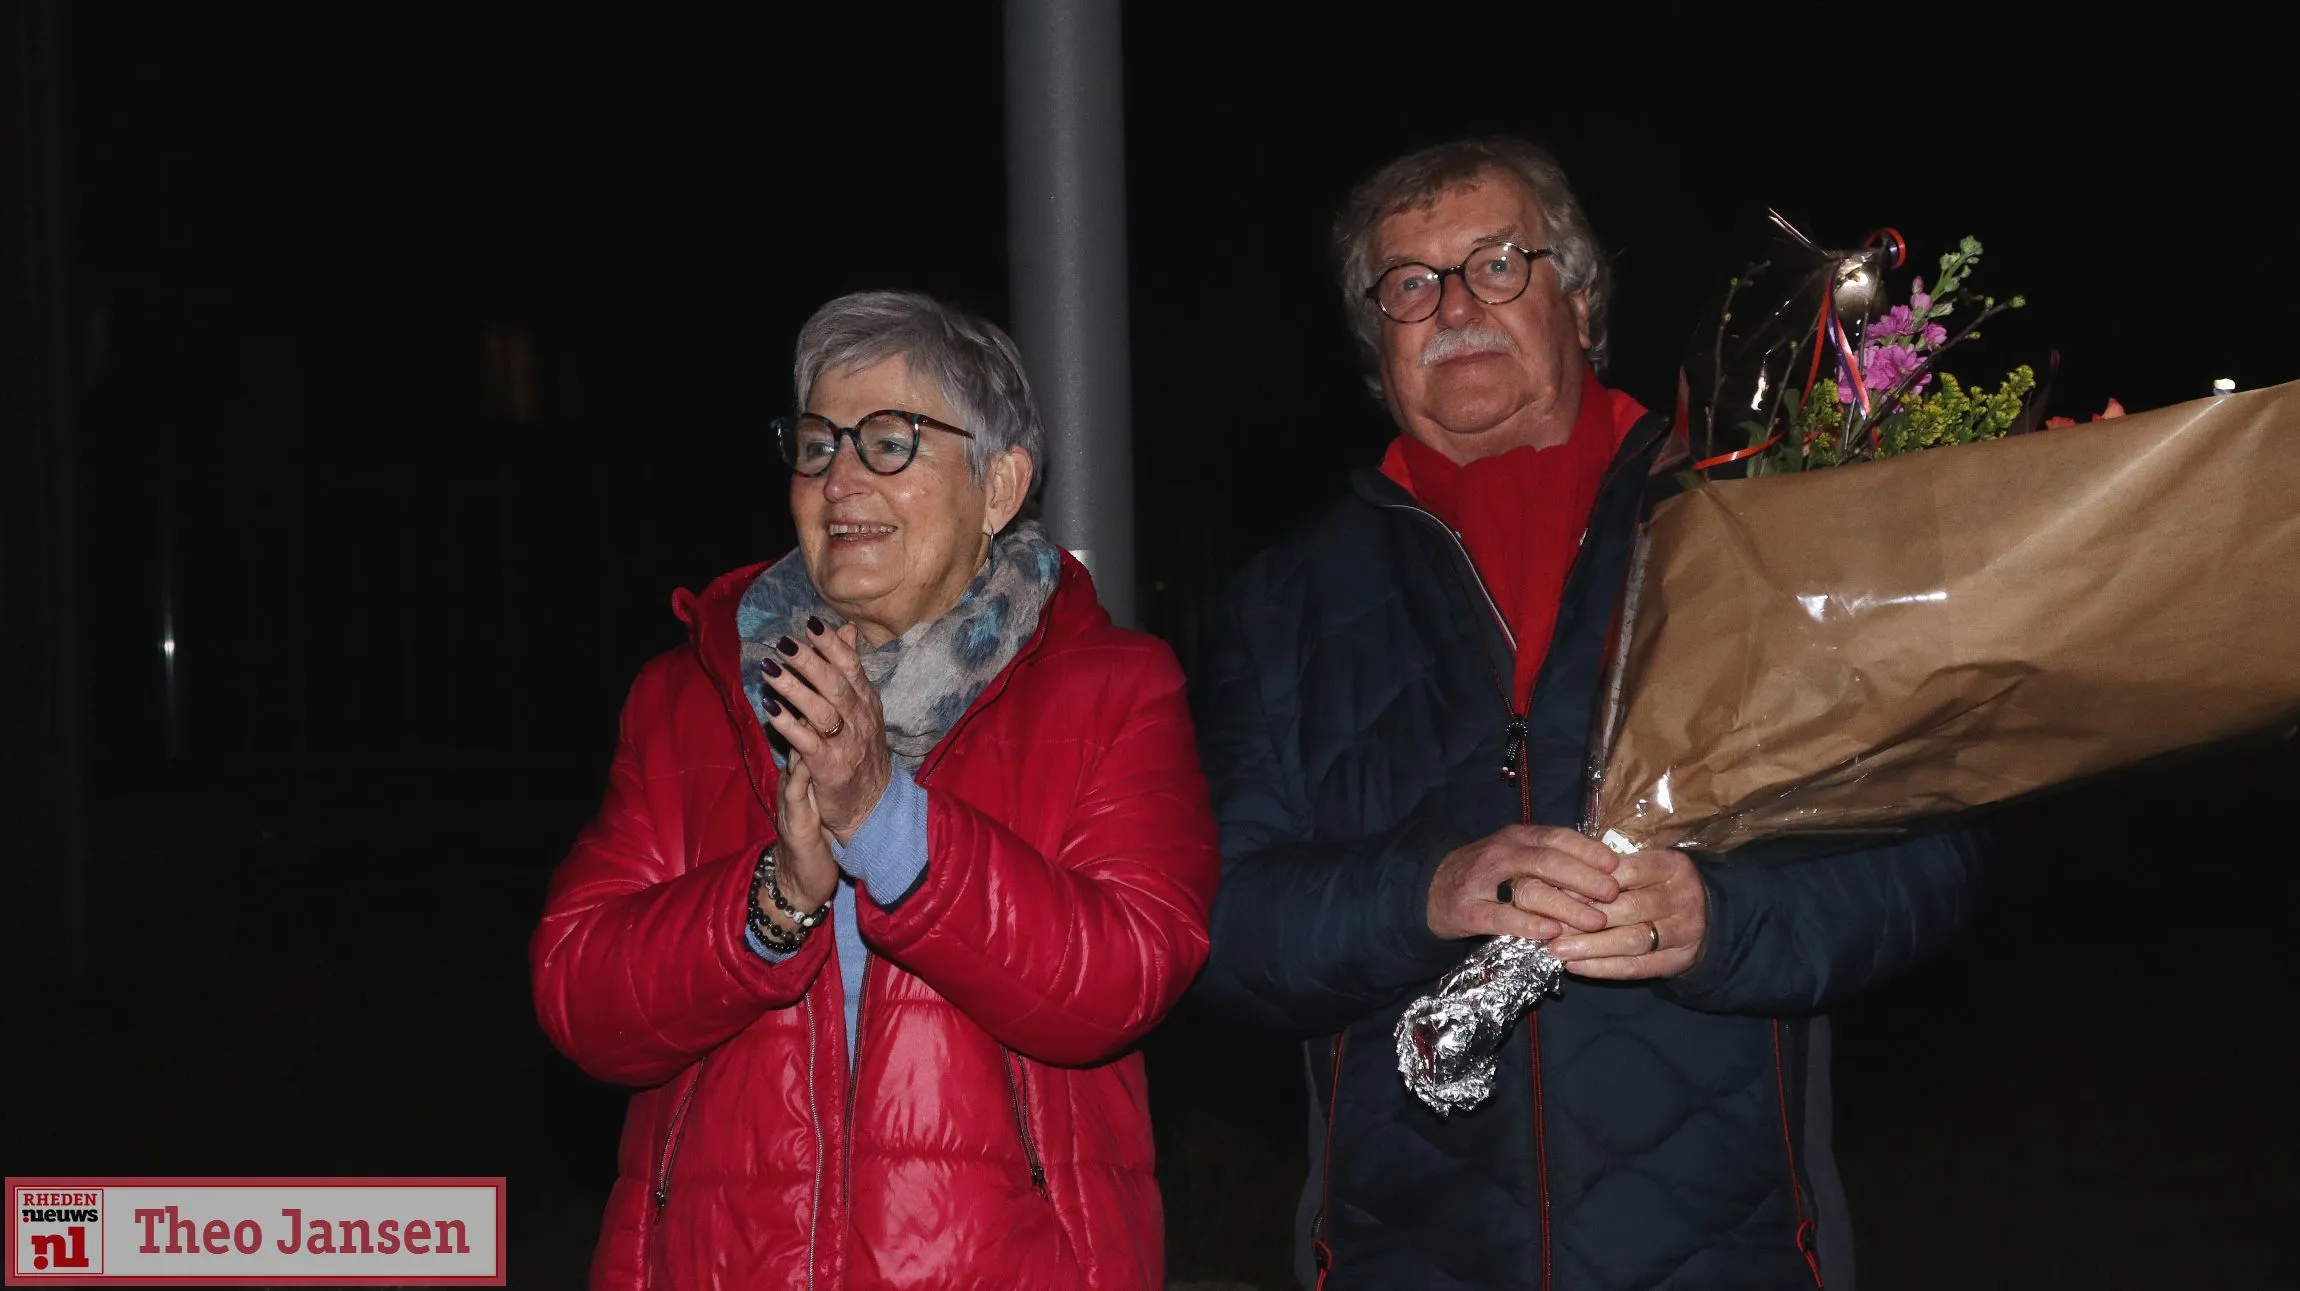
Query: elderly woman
x=899 y=857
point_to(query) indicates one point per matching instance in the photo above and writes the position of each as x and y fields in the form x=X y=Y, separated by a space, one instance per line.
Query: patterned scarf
x=926 y=677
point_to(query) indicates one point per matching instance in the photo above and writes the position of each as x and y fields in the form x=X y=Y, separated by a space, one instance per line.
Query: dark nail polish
x=773 y=709
x=787 y=646
x=1505 y=892
x=770 y=667
x=814 y=625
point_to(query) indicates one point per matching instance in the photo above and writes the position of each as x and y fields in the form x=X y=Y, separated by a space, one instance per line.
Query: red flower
x=2114 y=409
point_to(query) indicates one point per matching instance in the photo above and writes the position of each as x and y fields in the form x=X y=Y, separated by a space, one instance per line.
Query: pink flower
x=1883 y=367
x=1895 y=322
x=1901 y=320
x=1889 y=365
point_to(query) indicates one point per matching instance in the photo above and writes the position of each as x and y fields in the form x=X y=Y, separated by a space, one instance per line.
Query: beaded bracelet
x=765 y=929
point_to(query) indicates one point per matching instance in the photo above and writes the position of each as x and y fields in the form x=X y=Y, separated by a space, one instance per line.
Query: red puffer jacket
x=995 y=1130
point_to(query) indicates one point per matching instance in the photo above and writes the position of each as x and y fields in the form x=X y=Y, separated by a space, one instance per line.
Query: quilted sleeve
x=1308 y=937
x=639 y=965
x=1799 y=938
x=1069 y=956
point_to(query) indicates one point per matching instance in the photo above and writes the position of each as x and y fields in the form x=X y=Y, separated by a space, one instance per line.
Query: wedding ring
x=1653 y=931
x=836 y=727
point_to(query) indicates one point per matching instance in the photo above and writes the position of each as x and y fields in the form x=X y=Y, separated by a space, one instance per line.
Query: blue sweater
x=888 y=855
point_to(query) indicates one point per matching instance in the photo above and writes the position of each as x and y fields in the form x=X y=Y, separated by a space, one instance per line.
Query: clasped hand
x=1608 y=916
x=837 y=768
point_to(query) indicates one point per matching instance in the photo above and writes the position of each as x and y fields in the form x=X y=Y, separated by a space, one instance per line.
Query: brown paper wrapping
x=1864 y=645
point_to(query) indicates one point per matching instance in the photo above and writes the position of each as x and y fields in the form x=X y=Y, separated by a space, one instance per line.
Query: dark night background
x=411 y=360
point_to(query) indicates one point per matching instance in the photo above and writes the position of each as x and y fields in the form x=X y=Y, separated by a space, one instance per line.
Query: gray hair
x=1415 y=182
x=969 y=359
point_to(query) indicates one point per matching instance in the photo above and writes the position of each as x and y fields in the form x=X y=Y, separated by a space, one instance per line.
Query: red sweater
x=1521 y=513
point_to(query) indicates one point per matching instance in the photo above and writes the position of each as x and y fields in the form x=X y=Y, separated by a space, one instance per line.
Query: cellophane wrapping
x=1849 y=650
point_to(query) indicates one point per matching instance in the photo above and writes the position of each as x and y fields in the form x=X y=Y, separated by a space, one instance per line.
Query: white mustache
x=1456 y=342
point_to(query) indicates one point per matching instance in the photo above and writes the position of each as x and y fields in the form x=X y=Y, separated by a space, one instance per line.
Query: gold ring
x=841 y=725
x=1654 y=931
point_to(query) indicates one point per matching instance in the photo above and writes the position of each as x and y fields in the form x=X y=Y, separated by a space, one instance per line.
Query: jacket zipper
x=815 y=1194
x=1477 y=579
x=1533 y=1038
x=1318 y=1245
x=1605 y=484
x=1805 y=1235
x=1515 y=765
x=1017 y=1089
x=1514 y=737
x=854 y=1082
x=862 y=1008
x=671 y=1140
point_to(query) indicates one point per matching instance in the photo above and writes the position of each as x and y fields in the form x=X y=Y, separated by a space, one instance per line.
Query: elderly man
x=1397 y=728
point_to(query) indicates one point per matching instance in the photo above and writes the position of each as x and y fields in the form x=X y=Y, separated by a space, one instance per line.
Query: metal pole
x=44 y=258
x=1066 y=267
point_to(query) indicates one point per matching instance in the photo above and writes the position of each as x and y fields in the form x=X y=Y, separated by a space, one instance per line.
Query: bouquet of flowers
x=1866 y=368
x=1834 y=629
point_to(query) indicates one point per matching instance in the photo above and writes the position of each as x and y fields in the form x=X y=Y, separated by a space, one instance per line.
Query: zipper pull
x=1511 y=747
x=662 y=1198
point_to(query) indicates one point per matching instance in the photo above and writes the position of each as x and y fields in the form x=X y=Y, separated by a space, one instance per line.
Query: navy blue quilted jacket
x=1644 y=1135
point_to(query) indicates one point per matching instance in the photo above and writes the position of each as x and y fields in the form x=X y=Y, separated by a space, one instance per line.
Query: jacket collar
x=1643 y=449
x=1641 y=464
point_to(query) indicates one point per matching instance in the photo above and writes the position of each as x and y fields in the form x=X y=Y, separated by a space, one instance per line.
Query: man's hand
x=1657 y=927
x=1555 y=878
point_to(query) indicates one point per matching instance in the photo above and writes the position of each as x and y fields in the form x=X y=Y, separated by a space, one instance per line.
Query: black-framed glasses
x=1496 y=273
x=885 y=440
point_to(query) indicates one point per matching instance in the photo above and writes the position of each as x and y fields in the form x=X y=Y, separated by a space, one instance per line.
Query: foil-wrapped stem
x=1449 y=1041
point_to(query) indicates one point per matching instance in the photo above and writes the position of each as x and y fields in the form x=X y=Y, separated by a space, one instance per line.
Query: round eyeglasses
x=885 y=440
x=1496 y=273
